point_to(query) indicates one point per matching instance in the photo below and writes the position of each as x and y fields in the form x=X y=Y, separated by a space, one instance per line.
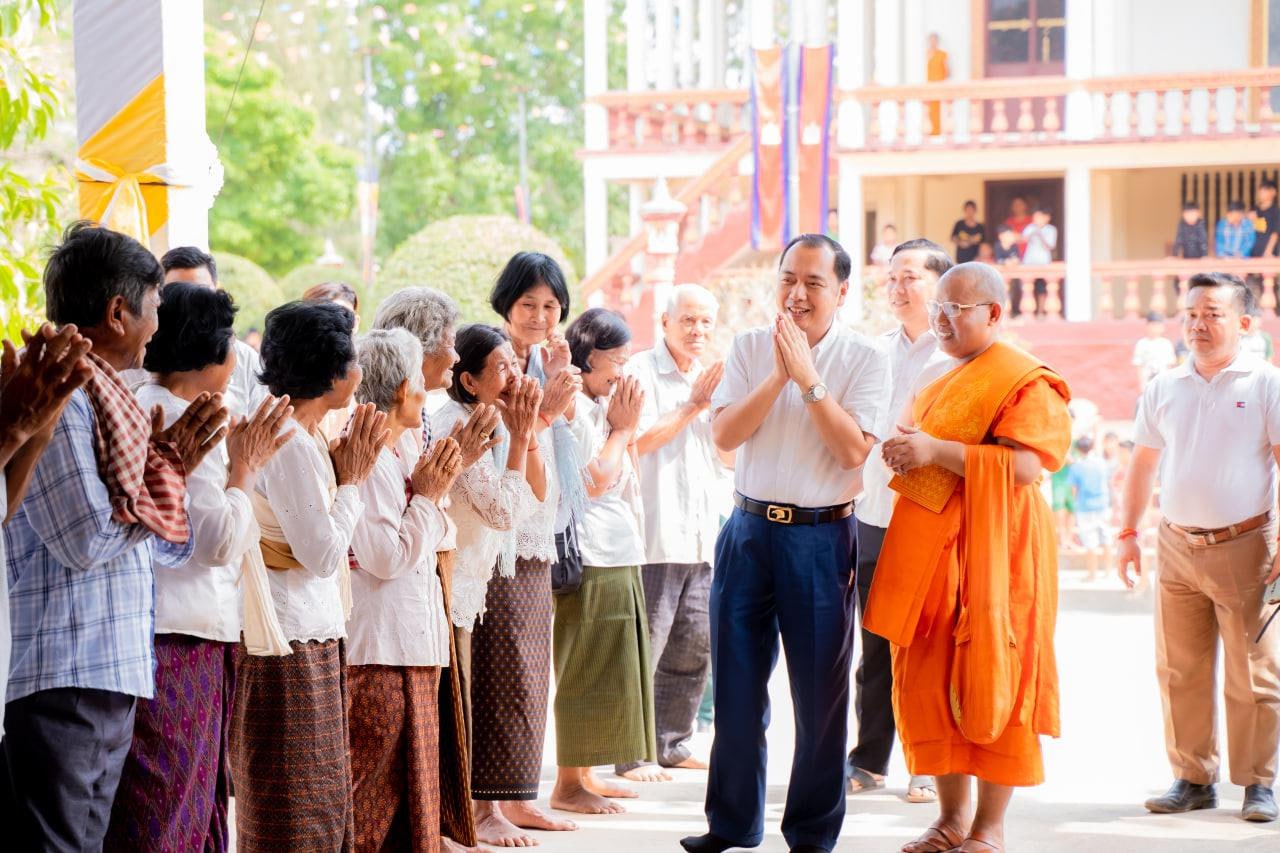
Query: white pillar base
x=1078 y=289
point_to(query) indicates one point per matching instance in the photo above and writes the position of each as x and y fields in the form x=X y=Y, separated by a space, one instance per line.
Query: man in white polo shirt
x=1212 y=428
x=679 y=474
x=802 y=403
x=914 y=357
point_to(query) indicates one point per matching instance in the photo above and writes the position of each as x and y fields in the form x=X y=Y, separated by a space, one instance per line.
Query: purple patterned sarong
x=176 y=782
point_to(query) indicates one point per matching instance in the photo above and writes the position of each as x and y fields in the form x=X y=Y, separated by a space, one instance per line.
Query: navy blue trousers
x=773 y=579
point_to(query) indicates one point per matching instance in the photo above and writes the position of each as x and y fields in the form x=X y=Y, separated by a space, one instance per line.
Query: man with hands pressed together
x=1212 y=428
x=966 y=586
x=802 y=402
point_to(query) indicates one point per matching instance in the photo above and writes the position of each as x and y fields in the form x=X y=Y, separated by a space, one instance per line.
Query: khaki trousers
x=1208 y=593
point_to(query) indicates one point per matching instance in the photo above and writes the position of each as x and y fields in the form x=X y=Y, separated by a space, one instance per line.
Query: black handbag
x=566 y=573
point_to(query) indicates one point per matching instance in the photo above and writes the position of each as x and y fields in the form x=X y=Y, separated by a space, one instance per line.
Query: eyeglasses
x=951 y=309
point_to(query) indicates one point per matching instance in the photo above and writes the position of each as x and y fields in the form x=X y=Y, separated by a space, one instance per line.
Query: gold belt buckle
x=780 y=514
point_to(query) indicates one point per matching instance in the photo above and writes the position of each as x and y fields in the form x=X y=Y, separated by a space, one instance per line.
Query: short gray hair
x=423 y=312
x=388 y=358
x=681 y=292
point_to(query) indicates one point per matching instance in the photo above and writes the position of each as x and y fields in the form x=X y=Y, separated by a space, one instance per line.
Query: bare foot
x=938 y=838
x=493 y=828
x=595 y=785
x=646 y=773
x=524 y=814
x=450 y=846
x=692 y=763
x=578 y=799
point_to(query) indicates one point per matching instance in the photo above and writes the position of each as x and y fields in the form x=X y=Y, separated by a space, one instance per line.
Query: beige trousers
x=1207 y=593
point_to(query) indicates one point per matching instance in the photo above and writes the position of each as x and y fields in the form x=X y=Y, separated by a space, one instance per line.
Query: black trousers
x=60 y=764
x=873 y=682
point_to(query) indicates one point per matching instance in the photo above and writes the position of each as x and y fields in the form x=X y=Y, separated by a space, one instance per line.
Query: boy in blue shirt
x=1090 y=483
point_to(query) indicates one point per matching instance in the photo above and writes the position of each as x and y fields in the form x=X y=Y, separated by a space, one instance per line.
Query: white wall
x=1158 y=36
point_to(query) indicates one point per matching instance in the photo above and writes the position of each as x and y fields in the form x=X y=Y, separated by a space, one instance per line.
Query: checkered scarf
x=145 y=479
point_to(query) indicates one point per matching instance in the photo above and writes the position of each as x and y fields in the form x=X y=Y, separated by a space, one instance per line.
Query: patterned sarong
x=289 y=750
x=174 y=789
x=395 y=731
x=510 y=675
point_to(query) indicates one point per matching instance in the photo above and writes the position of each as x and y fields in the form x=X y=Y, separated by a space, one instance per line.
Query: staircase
x=714 y=230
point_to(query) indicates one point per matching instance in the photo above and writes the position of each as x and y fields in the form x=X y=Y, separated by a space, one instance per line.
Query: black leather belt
x=788 y=514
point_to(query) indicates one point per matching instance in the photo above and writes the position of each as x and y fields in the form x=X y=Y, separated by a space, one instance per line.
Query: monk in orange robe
x=937 y=69
x=966 y=586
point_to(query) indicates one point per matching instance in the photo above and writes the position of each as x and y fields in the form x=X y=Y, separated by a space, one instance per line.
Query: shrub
x=252 y=287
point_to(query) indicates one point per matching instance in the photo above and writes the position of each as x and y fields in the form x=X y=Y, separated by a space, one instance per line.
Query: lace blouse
x=487 y=506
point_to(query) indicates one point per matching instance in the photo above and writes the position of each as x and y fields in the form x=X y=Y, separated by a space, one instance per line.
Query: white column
x=664 y=47
x=637 y=14
x=708 y=47
x=915 y=61
x=1079 y=62
x=887 y=57
x=685 y=32
x=851 y=45
x=761 y=23
x=595 y=210
x=815 y=32
x=851 y=237
x=636 y=197
x=720 y=42
x=595 y=66
x=1078 y=290
x=164 y=78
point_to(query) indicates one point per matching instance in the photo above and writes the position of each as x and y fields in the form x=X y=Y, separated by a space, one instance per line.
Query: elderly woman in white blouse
x=399 y=626
x=492 y=497
x=173 y=790
x=289 y=742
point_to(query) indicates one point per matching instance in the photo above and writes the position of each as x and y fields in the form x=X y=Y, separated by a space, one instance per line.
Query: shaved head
x=973 y=282
x=979 y=295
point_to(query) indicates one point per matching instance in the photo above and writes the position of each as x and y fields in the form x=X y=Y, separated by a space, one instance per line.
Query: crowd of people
x=286 y=575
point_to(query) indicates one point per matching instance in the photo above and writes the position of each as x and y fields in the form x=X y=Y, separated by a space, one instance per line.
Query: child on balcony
x=1192 y=239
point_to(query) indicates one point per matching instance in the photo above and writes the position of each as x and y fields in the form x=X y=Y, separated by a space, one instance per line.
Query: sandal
x=861 y=781
x=991 y=846
x=921 y=789
x=941 y=839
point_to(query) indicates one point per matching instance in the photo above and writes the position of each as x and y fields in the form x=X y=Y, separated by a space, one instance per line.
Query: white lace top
x=485 y=505
x=536 y=536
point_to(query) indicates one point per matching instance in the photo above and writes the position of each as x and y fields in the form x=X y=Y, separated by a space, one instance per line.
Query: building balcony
x=980 y=114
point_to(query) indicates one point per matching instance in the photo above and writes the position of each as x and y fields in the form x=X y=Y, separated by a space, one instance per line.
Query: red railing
x=704 y=198
x=1031 y=110
x=689 y=118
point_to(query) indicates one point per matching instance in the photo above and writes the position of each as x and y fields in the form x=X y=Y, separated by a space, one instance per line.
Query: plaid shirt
x=81 y=591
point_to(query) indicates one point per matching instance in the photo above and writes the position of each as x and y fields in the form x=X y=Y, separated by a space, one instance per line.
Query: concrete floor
x=1110 y=758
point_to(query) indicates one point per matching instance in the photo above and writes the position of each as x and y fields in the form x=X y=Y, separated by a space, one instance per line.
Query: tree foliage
x=462 y=256
x=29 y=197
x=252 y=288
x=284 y=188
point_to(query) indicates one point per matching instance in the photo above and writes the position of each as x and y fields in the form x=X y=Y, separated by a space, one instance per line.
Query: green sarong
x=604 y=682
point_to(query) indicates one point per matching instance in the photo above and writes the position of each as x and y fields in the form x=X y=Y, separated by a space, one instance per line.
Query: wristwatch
x=816 y=393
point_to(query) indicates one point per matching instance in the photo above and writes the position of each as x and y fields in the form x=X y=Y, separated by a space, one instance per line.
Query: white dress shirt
x=244 y=392
x=1216 y=464
x=318 y=524
x=201 y=597
x=678 y=480
x=612 y=532
x=785 y=460
x=398 y=614
x=487 y=506
x=907 y=361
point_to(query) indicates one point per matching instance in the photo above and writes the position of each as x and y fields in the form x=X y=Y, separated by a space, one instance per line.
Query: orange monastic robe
x=966 y=587
x=936 y=71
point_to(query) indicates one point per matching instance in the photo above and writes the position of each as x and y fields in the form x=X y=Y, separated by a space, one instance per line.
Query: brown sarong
x=510 y=676
x=289 y=750
x=395 y=771
x=456 y=818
